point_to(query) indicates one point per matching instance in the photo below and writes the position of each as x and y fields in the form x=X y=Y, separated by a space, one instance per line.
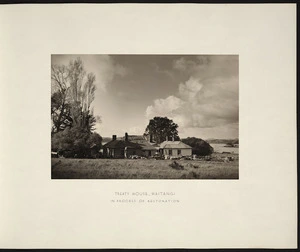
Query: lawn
x=63 y=168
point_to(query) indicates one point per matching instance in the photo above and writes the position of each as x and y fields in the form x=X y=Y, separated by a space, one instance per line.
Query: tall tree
x=60 y=113
x=60 y=109
x=73 y=120
x=161 y=128
x=73 y=91
x=87 y=97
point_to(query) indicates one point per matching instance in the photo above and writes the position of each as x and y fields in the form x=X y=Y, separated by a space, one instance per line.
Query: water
x=220 y=148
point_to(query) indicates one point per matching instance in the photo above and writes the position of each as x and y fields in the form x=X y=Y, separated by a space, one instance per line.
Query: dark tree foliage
x=60 y=112
x=199 y=146
x=161 y=128
x=75 y=142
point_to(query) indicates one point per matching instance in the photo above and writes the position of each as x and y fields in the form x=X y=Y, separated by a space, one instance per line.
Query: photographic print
x=144 y=116
x=148 y=105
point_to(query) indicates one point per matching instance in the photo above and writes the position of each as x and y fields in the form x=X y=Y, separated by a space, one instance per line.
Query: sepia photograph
x=144 y=117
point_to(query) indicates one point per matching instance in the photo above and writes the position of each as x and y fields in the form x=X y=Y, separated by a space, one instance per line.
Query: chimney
x=167 y=138
x=114 y=137
x=173 y=138
x=126 y=136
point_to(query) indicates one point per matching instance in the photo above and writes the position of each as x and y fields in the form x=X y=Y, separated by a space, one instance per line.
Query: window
x=179 y=152
x=170 y=152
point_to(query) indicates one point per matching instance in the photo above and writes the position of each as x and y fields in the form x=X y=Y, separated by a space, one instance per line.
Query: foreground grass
x=62 y=168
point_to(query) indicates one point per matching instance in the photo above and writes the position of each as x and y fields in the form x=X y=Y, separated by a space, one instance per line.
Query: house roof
x=120 y=144
x=174 y=145
x=141 y=141
x=134 y=138
x=147 y=146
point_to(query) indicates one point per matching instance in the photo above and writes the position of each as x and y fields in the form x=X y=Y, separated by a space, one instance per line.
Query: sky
x=198 y=92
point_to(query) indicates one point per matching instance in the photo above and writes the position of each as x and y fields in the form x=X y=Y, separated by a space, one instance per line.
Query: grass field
x=63 y=168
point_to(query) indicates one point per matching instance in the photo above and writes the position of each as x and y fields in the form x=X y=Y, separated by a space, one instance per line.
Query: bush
x=176 y=166
x=75 y=142
x=199 y=146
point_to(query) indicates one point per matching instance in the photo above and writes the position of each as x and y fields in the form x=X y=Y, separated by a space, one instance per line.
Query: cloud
x=184 y=64
x=107 y=69
x=209 y=98
x=190 y=89
x=208 y=67
x=162 y=107
x=103 y=66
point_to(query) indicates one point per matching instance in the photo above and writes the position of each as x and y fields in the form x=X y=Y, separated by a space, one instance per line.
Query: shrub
x=199 y=146
x=176 y=166
x=75 y=142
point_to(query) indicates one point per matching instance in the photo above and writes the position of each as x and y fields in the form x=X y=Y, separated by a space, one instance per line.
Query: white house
x=175 y=149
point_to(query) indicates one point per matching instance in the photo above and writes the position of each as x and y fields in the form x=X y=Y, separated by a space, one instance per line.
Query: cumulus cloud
x=164 y=106
x=190 y=89
x=209 y=98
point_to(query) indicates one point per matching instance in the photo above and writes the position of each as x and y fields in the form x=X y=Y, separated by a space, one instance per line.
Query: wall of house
x=184 y=152
x=120 y=153
x=131 y=152
x=117 y=153
x=148 y=153
x=113 y=153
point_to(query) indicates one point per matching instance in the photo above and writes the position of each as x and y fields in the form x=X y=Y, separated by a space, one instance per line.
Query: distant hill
x=199 y=146
x=223 y=141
